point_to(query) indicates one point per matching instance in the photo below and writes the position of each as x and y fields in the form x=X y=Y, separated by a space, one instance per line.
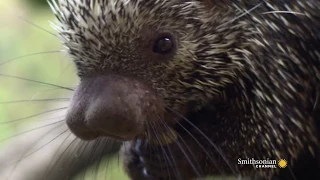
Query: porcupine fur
x=246 y=72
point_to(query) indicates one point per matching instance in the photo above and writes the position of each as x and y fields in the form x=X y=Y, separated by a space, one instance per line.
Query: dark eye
x=163 y=46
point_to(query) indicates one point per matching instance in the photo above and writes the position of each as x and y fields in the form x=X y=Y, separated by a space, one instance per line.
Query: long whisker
x=183 y=151
x=31 y=130
x=174 y=163
x=89 y=160
x=24 y=156
x=284 y=12
x=166 y=158
x=35 y=81
x=201 y=146
x=80 y=149
x=95 y=147
x=98 y=164
x=36 y=100
x=28 y=55
x=56 y=161
x=35 y=115
x=92 y=155
x=44 y=145
x=108 y=162
x=29 y=22
x=206 y=137
x=43 y=91
x=171 y=155
x=240 y=16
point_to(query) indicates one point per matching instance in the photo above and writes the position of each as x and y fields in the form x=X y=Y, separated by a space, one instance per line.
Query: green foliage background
x=20 y=38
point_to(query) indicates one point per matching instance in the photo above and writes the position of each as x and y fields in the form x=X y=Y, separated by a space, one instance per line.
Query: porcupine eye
x=163 y=45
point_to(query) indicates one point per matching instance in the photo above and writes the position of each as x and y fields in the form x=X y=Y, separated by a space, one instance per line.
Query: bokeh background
x=27 y=51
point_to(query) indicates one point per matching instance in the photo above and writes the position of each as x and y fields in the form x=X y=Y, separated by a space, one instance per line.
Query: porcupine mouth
x=152 y=160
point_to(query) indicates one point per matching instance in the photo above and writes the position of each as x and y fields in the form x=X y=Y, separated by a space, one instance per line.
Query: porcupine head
x=178 y=77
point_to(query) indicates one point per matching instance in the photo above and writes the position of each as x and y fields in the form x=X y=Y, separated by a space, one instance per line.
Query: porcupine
x=224 y=79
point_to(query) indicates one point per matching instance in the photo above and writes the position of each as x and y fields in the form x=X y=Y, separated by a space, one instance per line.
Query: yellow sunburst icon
x=282 y=163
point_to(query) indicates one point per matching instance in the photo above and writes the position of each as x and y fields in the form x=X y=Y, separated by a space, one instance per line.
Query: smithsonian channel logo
x=263 y=163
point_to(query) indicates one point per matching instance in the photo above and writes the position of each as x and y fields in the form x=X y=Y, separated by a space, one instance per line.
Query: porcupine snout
x=113 y=106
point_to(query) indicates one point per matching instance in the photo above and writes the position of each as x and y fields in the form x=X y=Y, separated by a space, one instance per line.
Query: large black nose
x=114 y=106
